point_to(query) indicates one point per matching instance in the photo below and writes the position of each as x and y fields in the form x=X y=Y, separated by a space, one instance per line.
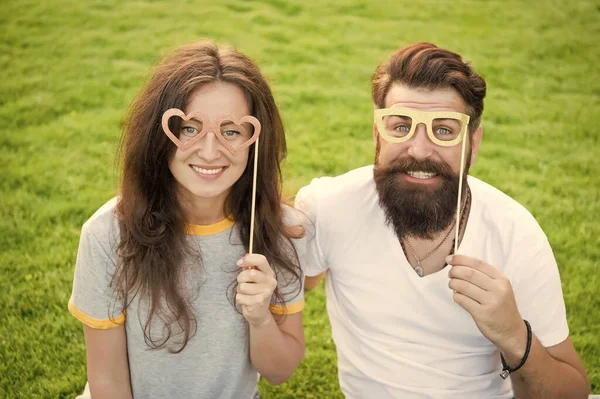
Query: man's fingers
x=466 y=303
x=470 y=290
x=473 y=276
x=474 y=263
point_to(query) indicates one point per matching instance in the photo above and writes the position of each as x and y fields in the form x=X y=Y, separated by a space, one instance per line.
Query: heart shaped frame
x=207 y=127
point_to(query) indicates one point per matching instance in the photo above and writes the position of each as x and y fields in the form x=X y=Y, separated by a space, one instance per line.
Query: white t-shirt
x=399 y=335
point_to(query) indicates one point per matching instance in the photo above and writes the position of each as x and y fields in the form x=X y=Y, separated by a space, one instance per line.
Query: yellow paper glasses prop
x=234 y=135
x=444 y=128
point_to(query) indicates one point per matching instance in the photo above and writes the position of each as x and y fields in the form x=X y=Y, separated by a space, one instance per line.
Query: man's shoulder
x=499 y=208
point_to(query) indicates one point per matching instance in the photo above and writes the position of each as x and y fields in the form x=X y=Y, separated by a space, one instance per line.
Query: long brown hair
x=152 y=245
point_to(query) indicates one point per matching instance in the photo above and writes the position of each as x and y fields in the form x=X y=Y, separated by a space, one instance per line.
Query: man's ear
x=375 y=133
x=475 y=143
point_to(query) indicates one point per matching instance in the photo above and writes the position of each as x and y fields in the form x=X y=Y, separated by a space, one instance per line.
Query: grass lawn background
x=70 y=69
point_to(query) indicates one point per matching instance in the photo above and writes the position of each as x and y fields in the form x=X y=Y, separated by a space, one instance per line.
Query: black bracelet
x=507 y=370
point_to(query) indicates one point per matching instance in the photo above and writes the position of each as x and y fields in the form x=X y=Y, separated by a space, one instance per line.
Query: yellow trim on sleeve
x=95 y=323
x=291 y=309
x=209 y=229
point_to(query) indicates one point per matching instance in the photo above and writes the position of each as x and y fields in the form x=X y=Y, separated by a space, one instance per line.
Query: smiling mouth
x=417 y=174
x=211 y=171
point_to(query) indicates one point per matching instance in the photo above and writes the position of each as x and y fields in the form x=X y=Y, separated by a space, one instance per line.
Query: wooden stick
x=460 y=184
x=253 y=196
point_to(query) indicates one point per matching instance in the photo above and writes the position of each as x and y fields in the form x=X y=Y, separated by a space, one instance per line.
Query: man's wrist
x=515 y=346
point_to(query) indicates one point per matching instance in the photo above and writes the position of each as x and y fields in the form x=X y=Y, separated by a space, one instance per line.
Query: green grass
x=70 y=69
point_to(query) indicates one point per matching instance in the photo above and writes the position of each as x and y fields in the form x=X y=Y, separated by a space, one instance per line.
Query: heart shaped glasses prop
x=233 y=144
x=243 y=139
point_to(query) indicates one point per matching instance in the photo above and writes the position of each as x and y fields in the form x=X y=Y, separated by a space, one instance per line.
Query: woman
x=172 y=305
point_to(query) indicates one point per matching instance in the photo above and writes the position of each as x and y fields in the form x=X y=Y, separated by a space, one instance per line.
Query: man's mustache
x=403 y=165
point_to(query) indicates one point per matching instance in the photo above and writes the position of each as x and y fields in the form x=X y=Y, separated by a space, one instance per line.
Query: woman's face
x=206 y=171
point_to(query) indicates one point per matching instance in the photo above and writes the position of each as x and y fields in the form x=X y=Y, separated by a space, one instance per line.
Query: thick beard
x=416 y=211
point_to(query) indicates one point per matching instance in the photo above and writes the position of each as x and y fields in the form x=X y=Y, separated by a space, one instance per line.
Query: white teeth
x=206 y=171
x=421 y=175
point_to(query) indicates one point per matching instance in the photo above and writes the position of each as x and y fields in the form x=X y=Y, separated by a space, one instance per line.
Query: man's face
x=417 y=180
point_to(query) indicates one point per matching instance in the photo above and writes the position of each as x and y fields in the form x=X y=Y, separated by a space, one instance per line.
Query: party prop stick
x=253 y=197
x=460 y=183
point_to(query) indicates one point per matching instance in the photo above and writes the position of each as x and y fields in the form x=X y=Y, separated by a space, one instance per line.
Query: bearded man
x=405 y=323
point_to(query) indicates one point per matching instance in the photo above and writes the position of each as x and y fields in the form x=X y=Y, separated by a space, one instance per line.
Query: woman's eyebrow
x=192 y=120
x=229 y=123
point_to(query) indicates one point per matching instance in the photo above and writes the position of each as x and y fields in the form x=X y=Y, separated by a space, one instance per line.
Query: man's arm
x=553 y=372
x=311 y=283
x=486 y=293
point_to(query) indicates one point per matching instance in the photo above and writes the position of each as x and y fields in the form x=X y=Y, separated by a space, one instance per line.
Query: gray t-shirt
x=216 y=361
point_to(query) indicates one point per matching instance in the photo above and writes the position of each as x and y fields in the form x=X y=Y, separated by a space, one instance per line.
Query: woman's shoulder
x=103 y=225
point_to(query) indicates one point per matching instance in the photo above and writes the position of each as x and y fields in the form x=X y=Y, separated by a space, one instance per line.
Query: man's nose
x=420 y=146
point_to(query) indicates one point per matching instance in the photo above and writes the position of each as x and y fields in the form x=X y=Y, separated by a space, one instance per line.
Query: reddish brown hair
x=152 y=244
x=426 y=66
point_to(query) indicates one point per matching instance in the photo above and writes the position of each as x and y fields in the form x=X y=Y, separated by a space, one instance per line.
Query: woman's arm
x=107 y=366
x=276 y=350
